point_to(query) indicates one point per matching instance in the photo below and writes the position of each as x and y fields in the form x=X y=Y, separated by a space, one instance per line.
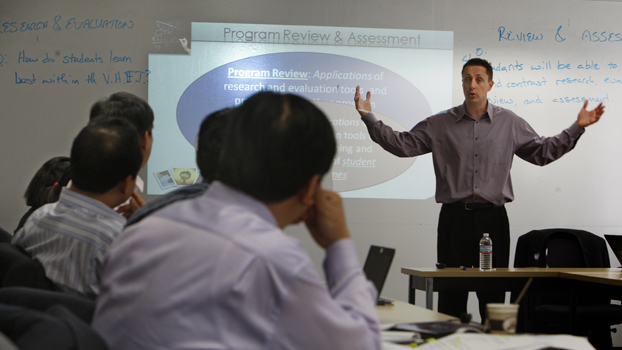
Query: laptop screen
x=615 y=242
x=377 y=265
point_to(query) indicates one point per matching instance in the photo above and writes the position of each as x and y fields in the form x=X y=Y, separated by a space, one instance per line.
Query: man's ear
x=126 y=186
x=307 y=193
x=144 y=139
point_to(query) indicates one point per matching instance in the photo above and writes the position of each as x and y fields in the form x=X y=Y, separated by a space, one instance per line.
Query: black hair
x=479 y=62
x=275 y=143
x=125 y=105
x=105 y=152
x=46 y=185
x=209 y=143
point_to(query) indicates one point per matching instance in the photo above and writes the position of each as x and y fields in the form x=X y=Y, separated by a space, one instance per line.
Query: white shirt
x=70 y=238
x=216 y=272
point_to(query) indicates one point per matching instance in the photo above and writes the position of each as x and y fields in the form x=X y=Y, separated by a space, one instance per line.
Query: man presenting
x=472 y=147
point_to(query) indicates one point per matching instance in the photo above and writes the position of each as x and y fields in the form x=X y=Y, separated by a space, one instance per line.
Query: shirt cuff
x=341 y=257
x=575 y=130
x=369 y=118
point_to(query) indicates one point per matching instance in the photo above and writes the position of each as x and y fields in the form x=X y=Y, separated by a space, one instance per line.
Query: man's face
x=476 y=84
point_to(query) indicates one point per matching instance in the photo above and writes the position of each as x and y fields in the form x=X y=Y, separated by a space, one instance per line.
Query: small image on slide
x=165 y=180
x=184 y=176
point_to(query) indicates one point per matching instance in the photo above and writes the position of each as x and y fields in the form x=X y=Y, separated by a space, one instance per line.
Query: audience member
x=45 y=186
x=217 y=271
x=208 y=145
x=139 y=113
x=71 y=236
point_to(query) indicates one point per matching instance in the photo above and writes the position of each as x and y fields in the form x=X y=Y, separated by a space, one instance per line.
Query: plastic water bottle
x=485 y=253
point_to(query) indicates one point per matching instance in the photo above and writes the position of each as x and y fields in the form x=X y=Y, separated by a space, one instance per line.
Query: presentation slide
x=408 y=72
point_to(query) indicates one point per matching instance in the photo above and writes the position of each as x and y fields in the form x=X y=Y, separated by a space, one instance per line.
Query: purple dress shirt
x=472 y=158
x=216 y=272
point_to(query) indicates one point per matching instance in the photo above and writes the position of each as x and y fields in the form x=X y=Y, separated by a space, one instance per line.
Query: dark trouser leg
x=459 y=232
x=453 y=303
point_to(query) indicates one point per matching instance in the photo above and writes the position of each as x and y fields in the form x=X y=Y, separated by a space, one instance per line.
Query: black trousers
x=459 y=233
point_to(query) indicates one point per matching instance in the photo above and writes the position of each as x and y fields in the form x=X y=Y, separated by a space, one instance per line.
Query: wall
x=58 y=57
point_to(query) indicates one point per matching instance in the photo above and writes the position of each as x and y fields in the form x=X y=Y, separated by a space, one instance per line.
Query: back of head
x=48 y=180
x=210 y=141
x=127 y=106
x=105 y=152
x=480 y=63
x=275 y=144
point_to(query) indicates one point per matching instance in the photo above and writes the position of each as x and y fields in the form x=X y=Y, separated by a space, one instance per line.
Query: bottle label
x=485 y=249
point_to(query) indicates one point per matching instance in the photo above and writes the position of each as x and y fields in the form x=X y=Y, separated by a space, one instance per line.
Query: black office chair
x=17 y=268
x=56 y=329
x=5 y=236
x=42 y=300
x=548 y=311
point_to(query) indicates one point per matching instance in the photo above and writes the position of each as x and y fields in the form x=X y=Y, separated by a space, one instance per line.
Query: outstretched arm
x=587 y=118
x=363 y=107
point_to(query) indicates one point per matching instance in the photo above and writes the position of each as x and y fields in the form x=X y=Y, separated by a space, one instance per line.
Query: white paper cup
x=502 y=318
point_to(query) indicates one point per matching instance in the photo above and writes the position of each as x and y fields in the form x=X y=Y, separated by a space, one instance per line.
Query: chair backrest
x=564 y=250
x=5 y=236
x=42 y=300
x=18 y=269
x=57 y=328
x=531 y=249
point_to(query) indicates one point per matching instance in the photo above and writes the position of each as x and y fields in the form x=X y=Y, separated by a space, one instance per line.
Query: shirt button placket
x=476 y=160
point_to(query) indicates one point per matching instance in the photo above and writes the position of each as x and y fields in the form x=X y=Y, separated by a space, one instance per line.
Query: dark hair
x=105 y=152
x=479 y=62
x=125 y=105
x=275 y=143
x=46 y=185
x=209 y=142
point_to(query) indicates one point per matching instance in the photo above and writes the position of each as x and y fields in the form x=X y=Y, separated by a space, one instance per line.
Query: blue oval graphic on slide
x=315 y=76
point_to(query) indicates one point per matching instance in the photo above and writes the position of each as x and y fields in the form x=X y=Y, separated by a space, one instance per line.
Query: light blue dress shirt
x=70 y=238
x=216 y=272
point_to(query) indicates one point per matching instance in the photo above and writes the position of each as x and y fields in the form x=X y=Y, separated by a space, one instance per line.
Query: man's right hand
x=363 y=107
x=326 y=219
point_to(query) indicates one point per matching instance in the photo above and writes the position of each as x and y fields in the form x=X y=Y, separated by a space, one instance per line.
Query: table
x=403 y=312
x=433 y=280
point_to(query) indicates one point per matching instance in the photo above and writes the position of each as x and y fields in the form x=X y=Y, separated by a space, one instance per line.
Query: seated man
x=208 y=145
x=71 y=236
x=138 y=112
x=218 y=272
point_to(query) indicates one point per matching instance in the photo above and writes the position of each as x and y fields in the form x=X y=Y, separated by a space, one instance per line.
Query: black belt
x=474 y=206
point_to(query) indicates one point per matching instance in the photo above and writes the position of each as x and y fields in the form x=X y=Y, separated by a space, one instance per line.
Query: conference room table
x=510 y=279
x=403 y=312
x=604 y=281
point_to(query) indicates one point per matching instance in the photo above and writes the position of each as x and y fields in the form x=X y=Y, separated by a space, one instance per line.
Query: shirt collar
x=462 y=112
x=74 y=199
x=231 y=195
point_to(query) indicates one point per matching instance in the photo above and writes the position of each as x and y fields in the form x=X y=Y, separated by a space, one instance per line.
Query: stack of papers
x=480 y=341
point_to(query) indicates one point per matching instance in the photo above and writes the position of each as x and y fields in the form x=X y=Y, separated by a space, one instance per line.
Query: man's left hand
x=136 y=202
x=587 y=118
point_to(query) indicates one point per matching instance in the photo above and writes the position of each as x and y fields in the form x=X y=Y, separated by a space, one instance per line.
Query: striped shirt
x=70 y=238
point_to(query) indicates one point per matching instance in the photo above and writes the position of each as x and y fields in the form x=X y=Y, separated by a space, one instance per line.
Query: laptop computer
x=376 y=268
x=615 y=242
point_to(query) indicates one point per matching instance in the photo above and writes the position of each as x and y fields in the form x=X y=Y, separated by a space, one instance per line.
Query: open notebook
x=376 y=268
